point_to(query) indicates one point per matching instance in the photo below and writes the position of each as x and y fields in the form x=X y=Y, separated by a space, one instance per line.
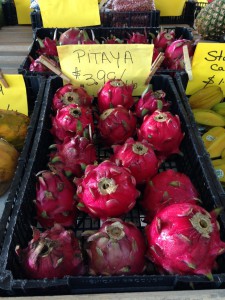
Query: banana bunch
x=208 y=107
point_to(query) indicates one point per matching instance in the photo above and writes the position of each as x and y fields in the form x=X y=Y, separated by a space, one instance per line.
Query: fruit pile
x=208 y=107
x=164 y=41
x=180 y=237
x=13 y=130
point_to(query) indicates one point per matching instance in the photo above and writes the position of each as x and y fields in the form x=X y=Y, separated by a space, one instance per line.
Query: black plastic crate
x=181 y=80
x=36 y=20
x=12 y=280
x=9 y=12
x=100 y=33
x=111 y=18
x=34 y=106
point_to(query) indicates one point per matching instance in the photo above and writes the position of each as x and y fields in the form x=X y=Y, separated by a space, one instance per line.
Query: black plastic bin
x=100 y=33
x=9 y=13
x=181 y=80
x=34 y=106
x=12 y=280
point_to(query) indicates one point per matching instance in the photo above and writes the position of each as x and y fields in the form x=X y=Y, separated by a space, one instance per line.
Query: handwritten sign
x=93 y=65
x=170 y=8
x=69 y=13
x=23 y=11
x=208 y=67
x=15 y=96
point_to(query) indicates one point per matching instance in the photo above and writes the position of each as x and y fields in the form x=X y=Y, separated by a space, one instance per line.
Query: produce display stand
x=34 y=106
x=12 y=280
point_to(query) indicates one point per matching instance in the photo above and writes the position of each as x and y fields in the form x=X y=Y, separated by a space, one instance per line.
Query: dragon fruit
x=116 y=125
x=36 y=66
x=73 y=155
x=72 y=120
x=103 y=192
x=54 y=253
x=117 y=248
x=163 y=40
x=47 y=47
x=165 y=188
x=137 y=38
x=184 y=239
x=55 y=199
x=112 y=39
x=113 y=93
x=137 y=156
x=69 y=94
x=163 y=131
x=72 y=36
x=150 y=101
x=174 y=52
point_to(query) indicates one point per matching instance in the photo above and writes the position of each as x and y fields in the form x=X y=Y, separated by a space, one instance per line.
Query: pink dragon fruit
x=117 y=248
x=55 y=199
x=72 y=156
x=113 y=93
x=137 y=38
x=184 y=239
x=139 y=157
x=72 y=120
x=103 y=192
x=165 y=188
x=163 y=40
x=163 y=131
x=174 y=52
x=69 y=94
x=116 y=125
x=72 y=36
x=36 y=66
x=112 y=39
x=47 y=47
x=54 y=253
x=150 y=101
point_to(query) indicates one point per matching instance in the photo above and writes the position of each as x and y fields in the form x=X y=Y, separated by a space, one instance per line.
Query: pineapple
x=210 y=22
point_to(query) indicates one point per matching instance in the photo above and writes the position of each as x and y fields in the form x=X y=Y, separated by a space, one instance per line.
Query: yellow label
x=23 y=11
x=208 y=67
x=93 y=65
x=69 y=13
x=171 y=8
x=15 y=96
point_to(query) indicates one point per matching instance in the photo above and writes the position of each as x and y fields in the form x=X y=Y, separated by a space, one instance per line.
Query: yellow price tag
x=93 y=65
x=208 y=67
x=169 y=8
x=15 y=96
x=69 y=13
x=23 y=11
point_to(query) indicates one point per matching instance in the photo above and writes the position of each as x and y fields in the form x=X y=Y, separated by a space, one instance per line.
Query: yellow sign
x=93 y=65
x=69 y=13
x=170 y=7
x=208 y=67
x=23 y=11
x=15 y=96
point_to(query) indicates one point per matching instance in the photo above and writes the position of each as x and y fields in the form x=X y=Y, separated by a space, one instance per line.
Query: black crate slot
x=13 y=281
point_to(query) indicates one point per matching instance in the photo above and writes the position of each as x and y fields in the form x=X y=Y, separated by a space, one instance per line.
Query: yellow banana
x=218 y=161
x=219 y=108
x=208 y=117
x=223 y=153
x=217 y=146
x=211 y=135
x=220 y=172
x=206 y=97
